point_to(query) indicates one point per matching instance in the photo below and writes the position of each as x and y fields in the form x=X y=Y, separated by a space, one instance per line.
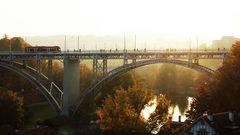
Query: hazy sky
x=206 y=18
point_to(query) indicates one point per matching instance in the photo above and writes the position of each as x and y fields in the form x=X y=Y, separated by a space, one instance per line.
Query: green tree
x=11 y=107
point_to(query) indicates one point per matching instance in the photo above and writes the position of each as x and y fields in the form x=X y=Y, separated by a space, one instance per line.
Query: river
x=175 y=110
x=179 y=106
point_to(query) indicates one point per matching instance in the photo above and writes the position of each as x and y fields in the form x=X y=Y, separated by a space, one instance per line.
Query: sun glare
x=149 y=108
x=185 y=17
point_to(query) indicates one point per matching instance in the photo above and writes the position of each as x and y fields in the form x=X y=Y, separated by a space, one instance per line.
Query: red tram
x=35 y=49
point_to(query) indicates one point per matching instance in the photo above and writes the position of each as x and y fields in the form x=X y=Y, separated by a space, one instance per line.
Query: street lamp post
x=124 y=47
x=10 y=46
x=10 y=49
x=65 y=43
x=78 y=43
x=135 y=42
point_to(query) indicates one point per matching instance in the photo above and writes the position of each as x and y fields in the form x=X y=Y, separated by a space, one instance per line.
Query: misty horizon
x=94 y=42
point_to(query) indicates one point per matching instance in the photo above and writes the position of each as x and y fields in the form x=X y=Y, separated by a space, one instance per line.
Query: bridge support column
x=71 y=84
x=49 y=71
x=99 y=66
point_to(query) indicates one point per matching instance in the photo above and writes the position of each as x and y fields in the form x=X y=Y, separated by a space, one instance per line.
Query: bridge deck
x=150 y=54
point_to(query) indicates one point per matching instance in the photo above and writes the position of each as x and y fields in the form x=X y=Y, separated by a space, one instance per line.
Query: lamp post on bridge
x=65 y=43
x=124 y=47
x=10 y=48
x=10 y=45
x=189 y=54
x=125 y=59
x=196 y=60
x=78 y=43
x=135 y=42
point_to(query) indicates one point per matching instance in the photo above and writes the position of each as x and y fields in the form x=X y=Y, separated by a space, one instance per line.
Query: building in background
x=224 y=42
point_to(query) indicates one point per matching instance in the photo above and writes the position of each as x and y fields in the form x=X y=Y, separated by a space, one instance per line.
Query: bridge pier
x=71 y=84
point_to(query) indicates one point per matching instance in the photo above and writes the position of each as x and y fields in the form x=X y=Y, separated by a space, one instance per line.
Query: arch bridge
x=68 y=100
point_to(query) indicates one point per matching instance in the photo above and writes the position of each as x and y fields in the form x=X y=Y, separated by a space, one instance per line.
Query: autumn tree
x=221 y=91
x=11 y=106
x=17 y=44
x=139 y=96
x=116 y=112
x=124 y=81
x=160 y=115
x=122 y=110
x=86 y=76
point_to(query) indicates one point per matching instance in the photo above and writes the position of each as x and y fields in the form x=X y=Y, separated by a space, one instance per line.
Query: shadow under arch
x=97 y=85
x=27 y=73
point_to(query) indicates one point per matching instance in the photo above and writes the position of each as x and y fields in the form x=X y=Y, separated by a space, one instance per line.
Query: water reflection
x=146 y=112
x=180 y=108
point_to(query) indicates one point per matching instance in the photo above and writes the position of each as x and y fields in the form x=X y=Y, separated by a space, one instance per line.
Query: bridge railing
x=122 y=51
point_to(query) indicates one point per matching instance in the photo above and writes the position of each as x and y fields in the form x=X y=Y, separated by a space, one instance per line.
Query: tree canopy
x=11 y=108
x=17 y=44
x=220 y=92
x=122 y=110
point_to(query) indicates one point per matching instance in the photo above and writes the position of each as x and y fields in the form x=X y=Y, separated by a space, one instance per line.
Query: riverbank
x=38 y=112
